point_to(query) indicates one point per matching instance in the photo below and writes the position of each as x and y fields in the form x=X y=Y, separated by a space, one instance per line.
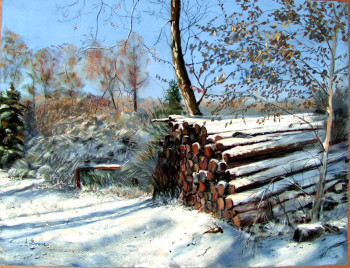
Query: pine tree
x=173 y=98
x=11 y=127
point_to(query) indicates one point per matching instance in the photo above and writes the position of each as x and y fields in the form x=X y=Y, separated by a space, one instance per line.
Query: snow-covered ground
x=45 y=226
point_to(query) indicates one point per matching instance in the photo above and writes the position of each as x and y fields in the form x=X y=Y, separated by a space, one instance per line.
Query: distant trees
x=101 y=66
x=45 y=63
x=59 y=70
x=134 y=63
x=69 y=76
x=13 y=57
x=11 y=127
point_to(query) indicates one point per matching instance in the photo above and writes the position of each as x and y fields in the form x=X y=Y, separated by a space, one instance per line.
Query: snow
x=304 y=180
x=42 y=225
x=287 y=140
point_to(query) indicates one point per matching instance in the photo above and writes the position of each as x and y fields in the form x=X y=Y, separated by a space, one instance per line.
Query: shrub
x=11 y=127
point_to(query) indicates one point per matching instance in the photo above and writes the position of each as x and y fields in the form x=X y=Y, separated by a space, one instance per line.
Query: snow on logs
x=247 y=172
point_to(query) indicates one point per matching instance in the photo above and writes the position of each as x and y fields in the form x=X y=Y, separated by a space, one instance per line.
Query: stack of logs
x=247 y=171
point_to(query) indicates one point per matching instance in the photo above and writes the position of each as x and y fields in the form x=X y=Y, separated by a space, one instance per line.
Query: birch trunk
x=318 y=201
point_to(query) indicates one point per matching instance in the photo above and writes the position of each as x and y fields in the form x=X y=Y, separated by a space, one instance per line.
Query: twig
x=204 y=252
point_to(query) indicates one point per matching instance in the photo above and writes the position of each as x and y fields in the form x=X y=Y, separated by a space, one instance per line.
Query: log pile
x=243 y=171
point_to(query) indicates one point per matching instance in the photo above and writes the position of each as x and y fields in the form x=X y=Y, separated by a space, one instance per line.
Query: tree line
x=63 y=69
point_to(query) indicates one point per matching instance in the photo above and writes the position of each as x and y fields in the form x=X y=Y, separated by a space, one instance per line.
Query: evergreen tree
x=173 y=98
x=11 y=127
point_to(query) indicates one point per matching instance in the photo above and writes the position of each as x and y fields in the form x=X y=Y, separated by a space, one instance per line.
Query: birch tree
x=283 y=59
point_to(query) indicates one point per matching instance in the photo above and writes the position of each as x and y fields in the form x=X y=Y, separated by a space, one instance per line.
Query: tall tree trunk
x=179 y=63
x=318 y=201
x=134 y=99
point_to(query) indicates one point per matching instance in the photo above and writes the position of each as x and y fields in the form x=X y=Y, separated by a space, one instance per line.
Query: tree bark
x=179 y=63
x=317 y=205
x=135 y=100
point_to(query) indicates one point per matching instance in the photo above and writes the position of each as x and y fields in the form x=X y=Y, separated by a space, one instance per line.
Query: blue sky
x=37 y=21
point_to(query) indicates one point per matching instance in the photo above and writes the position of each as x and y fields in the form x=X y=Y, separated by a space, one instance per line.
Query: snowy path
x=51 y=227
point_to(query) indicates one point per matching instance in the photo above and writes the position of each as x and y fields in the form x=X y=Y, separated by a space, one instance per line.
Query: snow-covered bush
x=130 y=139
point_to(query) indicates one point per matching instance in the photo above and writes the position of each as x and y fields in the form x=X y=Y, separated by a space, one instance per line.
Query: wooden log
x=229 y=143
x=195 y=177
x=186 y=186
x=189 y=178
x=276 y=173
x=182 y=148
x=218 y=155
x=249 y=218
x=186 y=139
x=221 y=204
x=196 y=148
x=215 y=197
x=170 y=154
x=302 y=180
x=269 y=148
x=189 y=170
x=196 y=167
x=203 y=164
x=228 y=203
x=183 y=167
x=201 y=187
x=209 y=150
x=182 y=176
x=214 y=207
x=202 y=140
x=231 y=189
x=92 y=167
x=177 y=141
x=194 y=188
x=212 y=188
x=185 y=124
x=196 y=159
x=203 y=174
x=210 y=176
x=222 y=166
x=197 y=129
x=221 y=187
x=209 y=206
x=291 y=205
x=258 y=166
x=188 y=130
x=229 y=214
x=197 y=206
x=213 y=165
